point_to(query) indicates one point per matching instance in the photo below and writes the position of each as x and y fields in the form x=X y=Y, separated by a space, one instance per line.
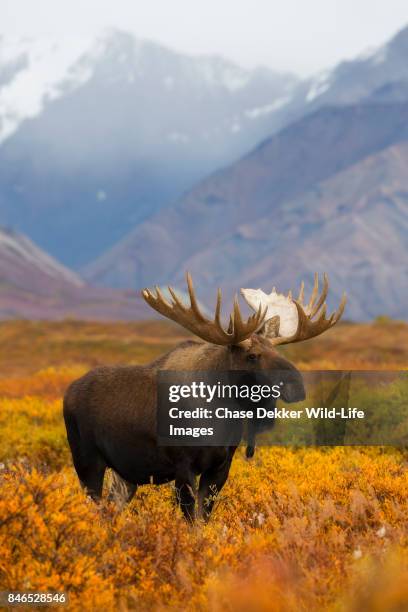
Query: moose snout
x=293 y=389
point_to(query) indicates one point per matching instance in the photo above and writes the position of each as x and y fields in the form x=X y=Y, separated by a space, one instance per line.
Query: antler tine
x=262 y=314
x=257 y=319
x=237 y=314
x=193 y=299
x=301 y=292
x=259 y=315
x=322 y=297
x=314 y=292
x=161 y=297
x=176 y=299
x=339 y=312
x=322 y=314
x=217 y=315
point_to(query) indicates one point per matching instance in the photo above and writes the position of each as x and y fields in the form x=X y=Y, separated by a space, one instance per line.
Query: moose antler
x=293 y=320
x=192 y=318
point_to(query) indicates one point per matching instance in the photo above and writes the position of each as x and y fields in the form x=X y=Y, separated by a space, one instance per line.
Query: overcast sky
x=303 y=36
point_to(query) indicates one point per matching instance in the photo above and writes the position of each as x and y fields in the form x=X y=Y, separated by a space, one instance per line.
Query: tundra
x=110 y=413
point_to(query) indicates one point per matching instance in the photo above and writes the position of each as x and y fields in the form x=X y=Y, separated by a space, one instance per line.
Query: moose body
x=110 y=416
x=111 y=412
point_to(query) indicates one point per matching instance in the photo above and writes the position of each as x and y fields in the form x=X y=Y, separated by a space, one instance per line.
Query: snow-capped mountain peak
x=34 y=71
x=37 y=71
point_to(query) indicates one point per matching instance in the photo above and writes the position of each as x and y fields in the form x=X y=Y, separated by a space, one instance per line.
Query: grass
x=294 y=529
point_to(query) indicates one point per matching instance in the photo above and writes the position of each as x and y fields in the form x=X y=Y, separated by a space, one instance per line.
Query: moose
x=110 y=412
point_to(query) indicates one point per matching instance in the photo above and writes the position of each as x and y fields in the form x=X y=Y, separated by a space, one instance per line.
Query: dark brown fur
x=110 y=417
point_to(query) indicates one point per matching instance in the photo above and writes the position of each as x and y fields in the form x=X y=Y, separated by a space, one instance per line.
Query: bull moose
x=110 y=413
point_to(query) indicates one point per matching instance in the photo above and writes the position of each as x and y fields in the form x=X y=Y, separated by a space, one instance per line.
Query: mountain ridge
x=34 y=285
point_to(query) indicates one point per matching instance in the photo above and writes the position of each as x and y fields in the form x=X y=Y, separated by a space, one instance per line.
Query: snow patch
x=51 y=68
x=222 y=74
x=319 y=85
x=254 y=113
x=375 y=55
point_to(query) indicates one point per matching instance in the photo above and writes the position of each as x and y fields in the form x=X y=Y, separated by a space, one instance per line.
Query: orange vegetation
x=294 y=529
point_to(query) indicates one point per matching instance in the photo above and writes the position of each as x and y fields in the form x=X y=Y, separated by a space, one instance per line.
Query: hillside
x=328 y=193
x=34 y=285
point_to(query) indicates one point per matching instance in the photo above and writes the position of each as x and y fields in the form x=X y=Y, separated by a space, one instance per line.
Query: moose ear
x=270 y=329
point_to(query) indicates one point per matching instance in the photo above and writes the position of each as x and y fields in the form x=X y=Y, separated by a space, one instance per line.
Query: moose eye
x=252 y=357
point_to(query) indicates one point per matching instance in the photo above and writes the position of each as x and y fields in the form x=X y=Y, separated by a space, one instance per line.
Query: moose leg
x=211 y=483
x=88 y=463
x=186 y=494
x=91 y=473
x=121 y=491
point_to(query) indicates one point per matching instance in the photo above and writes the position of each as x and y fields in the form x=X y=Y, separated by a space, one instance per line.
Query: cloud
x=300 y=36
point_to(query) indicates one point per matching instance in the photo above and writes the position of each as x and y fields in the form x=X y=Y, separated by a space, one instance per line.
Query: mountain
x=327 y=193
x=96 y=135
x=34 y=285
x=355 y=80
x=379 y=75
x=104 y=146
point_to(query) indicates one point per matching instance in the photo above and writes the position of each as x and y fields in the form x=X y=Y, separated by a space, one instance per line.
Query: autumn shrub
x=301 y=523
x=33 y=428
x=49 y=382
x=293 y=529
